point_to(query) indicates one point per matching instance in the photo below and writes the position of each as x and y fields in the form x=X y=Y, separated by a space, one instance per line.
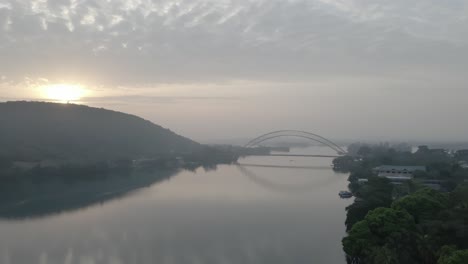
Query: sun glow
x=63 y=92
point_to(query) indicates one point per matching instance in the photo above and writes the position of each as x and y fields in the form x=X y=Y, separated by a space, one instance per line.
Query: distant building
x=397 y=173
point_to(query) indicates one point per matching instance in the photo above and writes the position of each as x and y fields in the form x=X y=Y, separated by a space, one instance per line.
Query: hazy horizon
x=211 y=70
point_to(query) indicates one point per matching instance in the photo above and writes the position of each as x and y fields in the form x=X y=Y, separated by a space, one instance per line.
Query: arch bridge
x=298 y=134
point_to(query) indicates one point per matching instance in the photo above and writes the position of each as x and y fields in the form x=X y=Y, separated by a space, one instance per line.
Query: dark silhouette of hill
x=32 y=131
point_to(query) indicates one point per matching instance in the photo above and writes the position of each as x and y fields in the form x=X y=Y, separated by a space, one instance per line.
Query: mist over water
x=235 y=214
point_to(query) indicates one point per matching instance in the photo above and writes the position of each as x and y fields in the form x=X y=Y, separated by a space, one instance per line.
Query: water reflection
x=205 y=216
x=50 y=198
x=283 y=187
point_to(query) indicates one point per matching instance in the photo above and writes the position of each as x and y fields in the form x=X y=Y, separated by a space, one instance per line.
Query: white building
x=398 y=173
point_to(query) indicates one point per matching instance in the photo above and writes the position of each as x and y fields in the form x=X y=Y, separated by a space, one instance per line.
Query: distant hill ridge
x=38 y=130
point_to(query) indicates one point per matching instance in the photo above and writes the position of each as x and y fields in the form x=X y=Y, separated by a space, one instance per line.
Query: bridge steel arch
x=296 y=133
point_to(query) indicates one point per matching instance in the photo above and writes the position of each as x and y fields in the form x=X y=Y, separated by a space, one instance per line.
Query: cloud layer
x=242 y=48
x=143 y=42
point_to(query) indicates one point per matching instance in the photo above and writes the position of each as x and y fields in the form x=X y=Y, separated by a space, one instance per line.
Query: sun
x=63 y=92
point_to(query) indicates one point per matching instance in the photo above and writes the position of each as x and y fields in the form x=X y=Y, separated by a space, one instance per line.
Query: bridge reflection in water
x=284 y=166
x=276 y=186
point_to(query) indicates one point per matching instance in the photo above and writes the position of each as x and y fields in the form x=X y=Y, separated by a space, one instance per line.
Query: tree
x=376 y=193
x=385 y=236
x=344 y=163
x=423 y=204
x=364 y=151
x=450 y=255
x=423 y=149
x=459 y=197
x=356 y=212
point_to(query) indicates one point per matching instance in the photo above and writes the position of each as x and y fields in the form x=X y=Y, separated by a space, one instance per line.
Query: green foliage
x=450 y=227
x=385 y=235
x=376 y=193
x=460 y=196
x=439 y=219
x=449 y=255
x=357 y=244
x=356 y=212
x=364 y=151
x=367 y=149
x=344 y=163
x=423 y=204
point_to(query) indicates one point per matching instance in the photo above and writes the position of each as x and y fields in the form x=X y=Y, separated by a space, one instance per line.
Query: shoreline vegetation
x=32 y=189
x=409 y=221
x=35 y=189
x=56 y=157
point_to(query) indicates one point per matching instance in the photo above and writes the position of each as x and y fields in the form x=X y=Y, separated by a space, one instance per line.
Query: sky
x=215 y=69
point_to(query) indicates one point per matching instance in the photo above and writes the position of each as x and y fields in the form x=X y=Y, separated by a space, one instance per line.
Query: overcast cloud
x=218 y=68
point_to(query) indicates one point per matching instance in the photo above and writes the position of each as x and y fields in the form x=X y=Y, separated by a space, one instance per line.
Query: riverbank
x=405 y=221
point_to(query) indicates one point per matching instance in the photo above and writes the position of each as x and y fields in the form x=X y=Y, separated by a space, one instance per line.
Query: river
x=268 y=210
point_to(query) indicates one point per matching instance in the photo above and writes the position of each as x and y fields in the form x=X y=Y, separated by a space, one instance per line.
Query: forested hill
x=38 y=131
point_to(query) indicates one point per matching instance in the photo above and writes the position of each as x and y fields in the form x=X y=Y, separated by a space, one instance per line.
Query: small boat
x=345 y=194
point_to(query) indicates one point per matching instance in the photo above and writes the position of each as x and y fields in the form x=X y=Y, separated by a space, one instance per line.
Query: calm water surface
x=235 y=214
